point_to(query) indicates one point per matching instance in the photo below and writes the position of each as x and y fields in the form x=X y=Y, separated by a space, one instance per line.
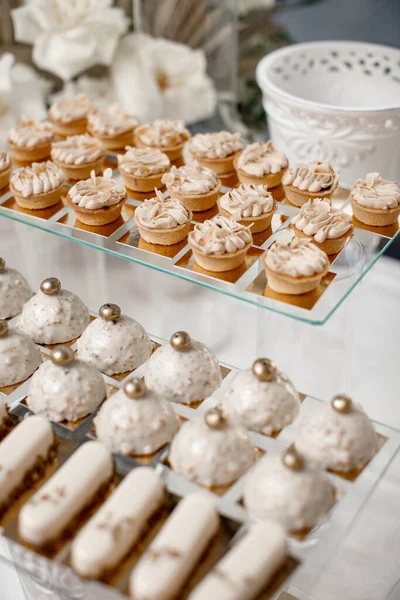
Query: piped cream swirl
x=112 y=121
x=219 y=235
x=261 y=159
x=97 y=192
x=162 y=213
x=375 y=192
x=163 y=133
x=215 y=145
x=246 y=201
x=39 y=178
x=77 y=150
x=298 y=258
x=312 y=177
x=74 y=108
x=143 y=162
x=4 y=161
x=318 y=219
x=191 y=179
x=31 y=133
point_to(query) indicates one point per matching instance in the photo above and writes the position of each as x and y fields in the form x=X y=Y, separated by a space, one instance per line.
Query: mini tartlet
x=183 y=371
x=197 y=187
x=142 y=169
x=217 y=150
x=38 y=186
x=114 y=343
x=98 y=200
x=69 y=115
x=375 y=201
x=327 y=227
x=338 y=435
x=166 y=135
x=295 y=267
x=5 y=169
x=213 y=450
x=306 y=181
x=163 y=221
x=220 y=244
x=249 y=204
x=31 y=140
x=19 y=356
x=112 y=126
x=14 y=291
x=260 y=163
x=78 y=155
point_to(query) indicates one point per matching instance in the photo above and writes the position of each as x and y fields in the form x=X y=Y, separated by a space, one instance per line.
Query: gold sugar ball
x=110 y=312
x=3 y=328
x=51 y=286
x=216 y=417
x=180 y=340
x=135 y=388
x=264 y=369
x=292 y=459
x=62 y=356
x=2 y=265
x=341 y=403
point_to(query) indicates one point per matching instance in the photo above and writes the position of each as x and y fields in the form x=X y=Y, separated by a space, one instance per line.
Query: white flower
x=69 y=36
x=157 y=78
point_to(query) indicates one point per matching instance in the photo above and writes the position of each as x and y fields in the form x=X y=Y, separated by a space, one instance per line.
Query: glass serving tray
x=309 y=551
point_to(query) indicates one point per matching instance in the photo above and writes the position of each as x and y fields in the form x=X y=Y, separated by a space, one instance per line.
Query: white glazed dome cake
x=114 y=343
x=54 y=315
x=338 y=435
x=183 y=371
x=135 y=420
x=213 y=450
x=19 y=356
x=263 y=398
x=288 y=489
x=14 y=291
x=65 y=389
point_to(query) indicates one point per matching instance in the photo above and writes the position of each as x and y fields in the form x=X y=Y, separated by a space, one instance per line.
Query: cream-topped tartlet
x=5 y=169
x=197 y=187
x=53 y=315
x=38 y=186
x=136 y=420
x=14 y=291
x=112 y=126
x=249 y=204
x=261 y=163
x=65 y=388
x=327 y=227
x=375 y=201
x=78 y=155
x=163 y=221
x=31 y=140
x=220 y=244
x=142 y=168
x=114 y=343
x=183 y=371
x=288 y=489
x=19 y=356
x=262 y=398
x=309 y=180
x=216 y=150
x=165 y=134
x=295 y=267
x=338 y=435
x=98 y=200
x=69 y=115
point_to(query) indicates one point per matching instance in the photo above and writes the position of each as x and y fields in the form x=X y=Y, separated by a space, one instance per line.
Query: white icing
x=162 y=213
x=335 y=440
x=77 y=150
x=97 y=192
x=215 y=145
x=247 y=201
x=311 y=177
x=136 y=427
x=166 y=564
x=65 y=494
x=31 y=133
x=14 y=292
x=263 y=406
x=143 y=162
x=19 y=357
x=117 y=525
x=298 y=258
x=376 y=192
x=211 y=456
x=261 y=159
x=185 y=377
x=112 y=121
x=191 y=179
x=297 y=499
x=70 y=109
x=4 y=161
x=54 y=319
x=219 y=235
x=319 y=220
x=39 y=178
x=162 y=133
x=114 y=347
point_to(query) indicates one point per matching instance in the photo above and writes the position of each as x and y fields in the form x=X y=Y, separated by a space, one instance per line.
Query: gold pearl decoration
x=264 y=369
x=51 y=286
x=216 y=417
x=180 y=340
x=3 y=328
x=2 y=265
x=341 y=403
x=110 y=312
x=135 y=388
x=62 y=356
x=292 y=459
